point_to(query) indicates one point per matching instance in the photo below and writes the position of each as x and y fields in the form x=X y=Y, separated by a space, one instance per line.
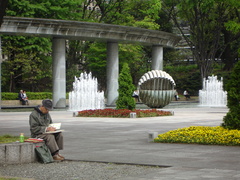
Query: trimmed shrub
x=30 y=95
x=126 y=88
x=232 y=119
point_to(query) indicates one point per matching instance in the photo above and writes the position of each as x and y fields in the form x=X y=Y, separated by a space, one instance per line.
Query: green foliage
x=233 y=24
x=61 y=9
x=29 y=64
x=9 y=96
x=208 y=37
x=128 y=53
x=96 y=62
x=186 y=77
x=130 y=12
x=125 y=91
x=134 y=56
x=30 y=95
x=232 y=119
x=147 y=23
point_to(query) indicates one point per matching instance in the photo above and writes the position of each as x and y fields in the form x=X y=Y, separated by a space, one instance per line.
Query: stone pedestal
x=152 y=136
x=18 y=153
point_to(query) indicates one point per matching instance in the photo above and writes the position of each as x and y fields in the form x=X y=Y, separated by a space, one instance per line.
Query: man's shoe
x=57 y=158
x=61 y=156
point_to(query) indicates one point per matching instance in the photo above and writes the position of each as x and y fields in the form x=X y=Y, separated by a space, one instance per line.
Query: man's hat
x=47 y=103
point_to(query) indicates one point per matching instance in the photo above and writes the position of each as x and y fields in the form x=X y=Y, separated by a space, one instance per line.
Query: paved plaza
x=125 y=140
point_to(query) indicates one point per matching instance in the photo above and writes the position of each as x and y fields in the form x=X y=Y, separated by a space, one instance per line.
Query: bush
x=126 y=88
x=232 y=119
x=9 y=96
x=30 y=95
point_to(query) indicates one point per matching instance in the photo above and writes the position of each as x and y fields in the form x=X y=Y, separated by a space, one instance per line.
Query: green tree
x=81 y=55
x=3 y=6
x=96 y=63
x=231 y=34
x=232 y=119
x=136 y=57
x=29 y=64
x=91 y=56
x=125 y=91
x=205 y=20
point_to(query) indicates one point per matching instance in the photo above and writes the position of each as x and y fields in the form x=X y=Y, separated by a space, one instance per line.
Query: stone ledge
x=18 y=153
x=17 y=102
x=13 y=103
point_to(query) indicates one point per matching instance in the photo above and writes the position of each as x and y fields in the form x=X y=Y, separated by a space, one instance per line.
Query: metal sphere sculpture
x=156 y=88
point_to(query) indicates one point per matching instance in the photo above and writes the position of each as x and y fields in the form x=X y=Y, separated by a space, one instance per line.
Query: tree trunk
x=228 y=55
x=3 y=6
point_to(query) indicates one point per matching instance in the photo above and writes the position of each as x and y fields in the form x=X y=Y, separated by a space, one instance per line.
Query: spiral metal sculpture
x=156 y=88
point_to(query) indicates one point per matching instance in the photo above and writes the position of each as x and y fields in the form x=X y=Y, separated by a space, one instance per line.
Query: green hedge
x=30 y=95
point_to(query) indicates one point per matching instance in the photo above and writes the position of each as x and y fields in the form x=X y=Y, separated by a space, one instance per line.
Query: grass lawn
x=9 y=139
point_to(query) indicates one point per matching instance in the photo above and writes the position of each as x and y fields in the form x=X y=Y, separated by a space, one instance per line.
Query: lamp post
x=1 y=60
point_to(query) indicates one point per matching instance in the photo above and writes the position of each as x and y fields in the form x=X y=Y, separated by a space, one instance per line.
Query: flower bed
x=122 y=113
x=201 y=135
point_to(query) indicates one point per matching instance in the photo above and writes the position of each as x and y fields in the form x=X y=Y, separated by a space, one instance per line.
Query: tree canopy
x=29 y=58
x=206 y=21
x=212 y=36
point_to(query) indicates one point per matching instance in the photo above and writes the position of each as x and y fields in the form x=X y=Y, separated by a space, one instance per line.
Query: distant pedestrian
x=136 y=96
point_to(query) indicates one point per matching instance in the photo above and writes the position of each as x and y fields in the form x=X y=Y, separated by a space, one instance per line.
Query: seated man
x=39 y=121
x=186 y=94
x=20 y=98
x=136 y=96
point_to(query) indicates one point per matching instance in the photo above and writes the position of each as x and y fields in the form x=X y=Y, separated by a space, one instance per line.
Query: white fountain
x=85 y=94
x=212 y=93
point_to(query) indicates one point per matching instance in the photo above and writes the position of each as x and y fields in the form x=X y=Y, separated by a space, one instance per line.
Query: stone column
x=157 y=57
x=112 y=72
x=59 y=73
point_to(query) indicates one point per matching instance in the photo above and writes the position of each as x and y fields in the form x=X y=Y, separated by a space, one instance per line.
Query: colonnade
x=59 y=70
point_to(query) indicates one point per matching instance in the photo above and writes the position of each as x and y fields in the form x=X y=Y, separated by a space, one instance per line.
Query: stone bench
x=18 y=153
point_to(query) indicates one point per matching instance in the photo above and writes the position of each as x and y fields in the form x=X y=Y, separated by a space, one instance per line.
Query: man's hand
x=51 y=129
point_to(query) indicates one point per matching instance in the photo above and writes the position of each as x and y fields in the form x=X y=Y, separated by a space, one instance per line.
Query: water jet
x=85 y=94
x=212 y=93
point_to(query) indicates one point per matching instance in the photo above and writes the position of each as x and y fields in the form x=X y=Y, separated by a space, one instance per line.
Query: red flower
x=123 y=113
